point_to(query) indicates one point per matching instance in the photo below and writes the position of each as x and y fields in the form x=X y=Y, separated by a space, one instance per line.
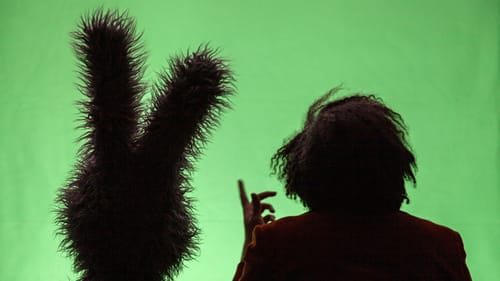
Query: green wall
x=436 y=62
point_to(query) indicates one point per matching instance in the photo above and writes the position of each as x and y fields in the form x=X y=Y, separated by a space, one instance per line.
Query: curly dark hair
x=351 y=156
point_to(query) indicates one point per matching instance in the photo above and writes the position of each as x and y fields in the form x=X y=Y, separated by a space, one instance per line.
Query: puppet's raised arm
x=110 y=59
x=187 y=105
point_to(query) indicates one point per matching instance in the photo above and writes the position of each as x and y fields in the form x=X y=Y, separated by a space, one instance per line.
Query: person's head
x=351 y=156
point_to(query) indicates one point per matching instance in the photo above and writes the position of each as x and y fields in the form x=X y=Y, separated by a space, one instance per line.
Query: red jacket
x=318 y=246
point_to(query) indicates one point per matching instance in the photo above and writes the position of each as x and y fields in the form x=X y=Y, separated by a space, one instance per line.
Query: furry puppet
x=124 y=214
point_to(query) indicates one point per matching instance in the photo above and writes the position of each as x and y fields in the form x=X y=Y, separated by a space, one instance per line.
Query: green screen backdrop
x=435 y=62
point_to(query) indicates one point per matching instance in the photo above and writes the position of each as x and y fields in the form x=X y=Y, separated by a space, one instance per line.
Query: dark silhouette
x=351 y=155
x=348 y=165
x=125 y=214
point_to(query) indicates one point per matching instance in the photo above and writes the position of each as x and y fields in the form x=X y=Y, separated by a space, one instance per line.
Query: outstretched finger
x=266 y=194
x=243 y=194
x=266 y=206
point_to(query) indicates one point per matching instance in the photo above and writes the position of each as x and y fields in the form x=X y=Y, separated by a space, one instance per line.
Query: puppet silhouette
x=125 y=214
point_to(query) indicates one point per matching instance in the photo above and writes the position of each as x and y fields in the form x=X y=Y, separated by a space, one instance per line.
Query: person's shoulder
x=443 y=241
x=289 y=223
x=426 y=227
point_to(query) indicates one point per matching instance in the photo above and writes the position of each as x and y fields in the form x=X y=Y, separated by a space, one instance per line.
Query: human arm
x=252 y=217
x=259 y=261
x=252 y=212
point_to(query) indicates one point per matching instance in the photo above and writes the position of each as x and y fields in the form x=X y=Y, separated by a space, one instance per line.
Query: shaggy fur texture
x=124 y=214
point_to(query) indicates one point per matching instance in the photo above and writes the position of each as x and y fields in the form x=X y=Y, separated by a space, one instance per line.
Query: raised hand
x=252 y=211
x=125 y=214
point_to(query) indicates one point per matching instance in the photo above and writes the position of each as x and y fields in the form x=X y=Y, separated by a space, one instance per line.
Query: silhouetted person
x=348 y=166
